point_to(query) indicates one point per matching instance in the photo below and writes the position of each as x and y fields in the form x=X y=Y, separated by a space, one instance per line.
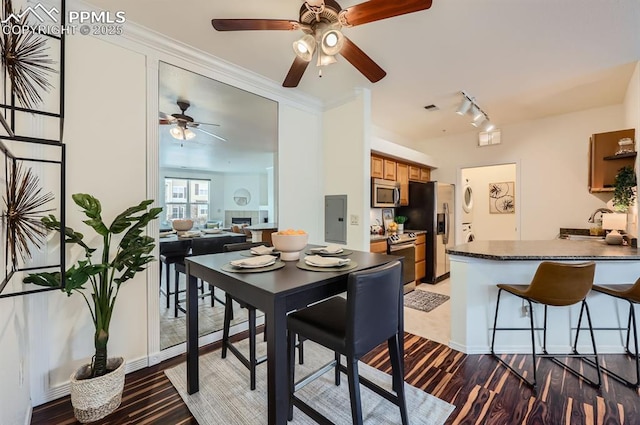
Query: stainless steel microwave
x=385 y=193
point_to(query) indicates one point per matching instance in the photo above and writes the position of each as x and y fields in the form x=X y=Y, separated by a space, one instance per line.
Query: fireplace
x=241 y=220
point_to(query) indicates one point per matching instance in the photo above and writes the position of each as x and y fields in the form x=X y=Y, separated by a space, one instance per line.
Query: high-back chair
x=172 y=252
x=559 y=285
x=631 y=294
x=202 y=246
x=369 y=316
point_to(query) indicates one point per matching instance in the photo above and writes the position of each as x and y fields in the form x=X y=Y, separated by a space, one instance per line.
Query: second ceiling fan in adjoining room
x=322 y=21
x=183 y=124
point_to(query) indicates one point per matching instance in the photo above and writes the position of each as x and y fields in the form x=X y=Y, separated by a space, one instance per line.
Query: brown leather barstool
x=631 y=294
x=369 y=316
x=554 y=284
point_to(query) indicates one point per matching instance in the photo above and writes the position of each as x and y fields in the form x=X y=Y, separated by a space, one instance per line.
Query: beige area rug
x=225 y=397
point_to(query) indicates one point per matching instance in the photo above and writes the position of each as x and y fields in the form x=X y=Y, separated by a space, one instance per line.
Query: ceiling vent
x=488 y=138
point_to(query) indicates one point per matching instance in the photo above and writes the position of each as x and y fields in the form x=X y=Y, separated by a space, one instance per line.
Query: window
x=187 y=198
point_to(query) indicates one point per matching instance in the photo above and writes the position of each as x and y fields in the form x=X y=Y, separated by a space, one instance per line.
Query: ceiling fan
x=322 y=21
x=184 y=123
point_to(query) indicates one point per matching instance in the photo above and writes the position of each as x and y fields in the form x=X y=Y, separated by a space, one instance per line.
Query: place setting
x=260 y=250
x=254 y=264
x=331 y=250
x=318 y=263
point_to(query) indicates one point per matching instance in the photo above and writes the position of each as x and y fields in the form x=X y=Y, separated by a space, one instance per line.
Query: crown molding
x=152 y=43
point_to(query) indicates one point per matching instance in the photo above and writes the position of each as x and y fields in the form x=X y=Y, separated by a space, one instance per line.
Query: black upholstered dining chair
x=171 y=253
x=369 y=316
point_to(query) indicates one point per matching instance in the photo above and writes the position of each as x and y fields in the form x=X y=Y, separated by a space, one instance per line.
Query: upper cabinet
x=603 y=161
x=377 y=167
x=389 y=169
x=414 y=173
x=402 y=174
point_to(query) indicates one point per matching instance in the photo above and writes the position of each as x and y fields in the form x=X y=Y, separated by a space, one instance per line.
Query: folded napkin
x=319 y=261
x=259 y=261
x=262 y=250
x=189 y=234
x=329 y=249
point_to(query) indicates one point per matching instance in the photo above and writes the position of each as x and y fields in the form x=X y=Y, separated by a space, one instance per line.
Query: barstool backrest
x=634 y=291
x=561 y=284
x=373 y=303
x=175 y=248
x=213 y=245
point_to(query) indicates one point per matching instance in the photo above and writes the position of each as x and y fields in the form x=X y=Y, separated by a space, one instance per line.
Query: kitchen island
x=477 y=267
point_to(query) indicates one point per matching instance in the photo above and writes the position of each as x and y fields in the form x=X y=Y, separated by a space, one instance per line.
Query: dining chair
x=202 y=246
x=253 y=360
x=558 y=285
x=171 y=253
x=369 y=316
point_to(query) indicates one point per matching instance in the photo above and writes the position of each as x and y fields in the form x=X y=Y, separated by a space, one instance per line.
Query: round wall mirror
x=241 y=197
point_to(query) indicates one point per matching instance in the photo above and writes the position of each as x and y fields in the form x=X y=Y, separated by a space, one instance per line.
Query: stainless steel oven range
x=405 y=245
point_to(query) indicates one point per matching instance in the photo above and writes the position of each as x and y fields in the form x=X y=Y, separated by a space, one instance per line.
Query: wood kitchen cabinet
x=389 y=169
x=603 y=163
x=425 y=174
x=420 y=257
x=414 y=173
x=402 y=176
x=378 y=246
x=377 y=167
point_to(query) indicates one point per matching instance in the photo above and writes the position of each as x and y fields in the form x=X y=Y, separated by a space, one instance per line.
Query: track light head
x=476 y=113
x=464 y=106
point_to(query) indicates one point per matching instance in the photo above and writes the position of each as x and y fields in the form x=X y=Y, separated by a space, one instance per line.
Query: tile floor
x=436 y=324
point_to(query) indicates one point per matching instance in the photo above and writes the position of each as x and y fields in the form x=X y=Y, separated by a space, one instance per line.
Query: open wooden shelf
x=621 y=156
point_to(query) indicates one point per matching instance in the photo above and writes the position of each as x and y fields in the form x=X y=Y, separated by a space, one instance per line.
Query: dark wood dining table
x=275 y=293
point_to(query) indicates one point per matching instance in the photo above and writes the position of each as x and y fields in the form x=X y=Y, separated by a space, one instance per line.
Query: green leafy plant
x=132 y=256
x=624 y=193
x=400 y=219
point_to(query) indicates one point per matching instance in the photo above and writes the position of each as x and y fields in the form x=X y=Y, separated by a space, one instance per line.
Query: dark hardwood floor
x=482 y=391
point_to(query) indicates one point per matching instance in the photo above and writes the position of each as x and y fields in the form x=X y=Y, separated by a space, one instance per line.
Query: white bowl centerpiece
x=182 y=225
x=289 y=242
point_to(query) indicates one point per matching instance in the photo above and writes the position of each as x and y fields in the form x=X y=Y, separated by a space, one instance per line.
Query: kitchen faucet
x=599 y=210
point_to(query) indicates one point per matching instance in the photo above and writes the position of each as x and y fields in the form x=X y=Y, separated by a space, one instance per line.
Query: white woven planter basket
x=95 y=398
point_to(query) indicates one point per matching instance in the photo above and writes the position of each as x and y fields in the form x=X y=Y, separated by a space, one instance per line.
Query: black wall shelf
x=621 y=156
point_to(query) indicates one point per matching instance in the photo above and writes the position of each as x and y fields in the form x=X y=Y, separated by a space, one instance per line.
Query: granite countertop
x=555 y=249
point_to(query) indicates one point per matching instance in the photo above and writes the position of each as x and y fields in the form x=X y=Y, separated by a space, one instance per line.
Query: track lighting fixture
x=480 y=119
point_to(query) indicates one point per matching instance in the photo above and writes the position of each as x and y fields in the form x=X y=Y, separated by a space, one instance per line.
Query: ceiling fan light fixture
x=332 y=42
x=304 y=47
x=181 y=133
x=324 y=59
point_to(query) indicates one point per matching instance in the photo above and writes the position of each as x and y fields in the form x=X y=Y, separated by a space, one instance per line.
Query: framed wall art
x=502 y=198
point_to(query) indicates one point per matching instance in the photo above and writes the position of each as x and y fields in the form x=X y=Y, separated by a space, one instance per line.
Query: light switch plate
x=355 y=220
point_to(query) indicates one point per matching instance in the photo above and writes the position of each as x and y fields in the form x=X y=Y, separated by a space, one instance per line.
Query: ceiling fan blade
x=196 y=124
x=375 y=10
x=295 y=72
x=211 y=134
x=254 y=24
x=361 y=61
x=165 y=118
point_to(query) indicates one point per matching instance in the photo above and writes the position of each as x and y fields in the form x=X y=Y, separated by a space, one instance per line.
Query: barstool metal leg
x=593 y=342
x=632 y=318
x=533 y=344
x=495 y=322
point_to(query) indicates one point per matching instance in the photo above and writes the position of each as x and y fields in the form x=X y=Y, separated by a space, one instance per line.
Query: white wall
x=15 y=406
x=553 y=157
x=486 y=226
x=347 y=145
x=632 y=120
x=250 y=182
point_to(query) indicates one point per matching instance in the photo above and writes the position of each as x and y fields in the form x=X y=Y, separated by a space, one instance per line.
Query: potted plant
x=96 y=388
x=624 y=193
x=400 y=220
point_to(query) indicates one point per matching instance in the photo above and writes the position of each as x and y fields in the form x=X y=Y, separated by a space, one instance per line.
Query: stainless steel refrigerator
x=431 y=208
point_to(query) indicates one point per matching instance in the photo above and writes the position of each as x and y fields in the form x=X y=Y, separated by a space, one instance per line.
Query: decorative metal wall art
x=32 y=179
x=502 y=198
